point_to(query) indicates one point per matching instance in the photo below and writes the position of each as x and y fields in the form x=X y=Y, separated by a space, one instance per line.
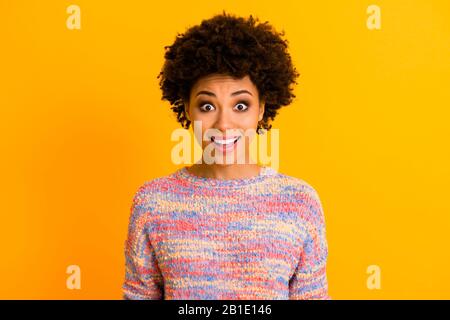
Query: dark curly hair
x=226 y=44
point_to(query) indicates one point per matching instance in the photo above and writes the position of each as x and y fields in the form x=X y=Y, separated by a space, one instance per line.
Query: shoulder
x=159 y=185
x=305 y=197
x=297 y=186
x=147 y=194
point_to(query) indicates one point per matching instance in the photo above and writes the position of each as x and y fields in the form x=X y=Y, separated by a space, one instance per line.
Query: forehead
x=223 y=84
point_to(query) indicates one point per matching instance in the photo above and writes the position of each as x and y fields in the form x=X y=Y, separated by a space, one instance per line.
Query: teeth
x=228 y=141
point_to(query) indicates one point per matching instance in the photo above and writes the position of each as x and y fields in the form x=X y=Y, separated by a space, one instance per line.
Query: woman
x=227 y=230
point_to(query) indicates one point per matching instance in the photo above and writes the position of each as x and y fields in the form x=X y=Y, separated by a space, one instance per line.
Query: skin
x=223 y=111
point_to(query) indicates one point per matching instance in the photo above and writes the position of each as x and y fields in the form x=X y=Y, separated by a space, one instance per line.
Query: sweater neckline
x=185 y=175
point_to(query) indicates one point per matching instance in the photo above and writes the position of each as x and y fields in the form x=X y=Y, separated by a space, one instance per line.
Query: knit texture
x=191 y=237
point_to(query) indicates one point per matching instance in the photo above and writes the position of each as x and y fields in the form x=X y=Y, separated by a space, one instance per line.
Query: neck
x=225 y=171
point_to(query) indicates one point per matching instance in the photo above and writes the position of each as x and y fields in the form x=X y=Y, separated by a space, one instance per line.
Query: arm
x=143 y=279
x=309 y=280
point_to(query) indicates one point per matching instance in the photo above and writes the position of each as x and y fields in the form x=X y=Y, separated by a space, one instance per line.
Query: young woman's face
x=228 y=109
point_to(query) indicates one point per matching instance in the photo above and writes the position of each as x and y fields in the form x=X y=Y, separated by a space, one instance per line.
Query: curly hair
x=226 y=44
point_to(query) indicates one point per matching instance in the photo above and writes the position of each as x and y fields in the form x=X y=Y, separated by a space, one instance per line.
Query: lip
x=225 y=147
x=223 y=138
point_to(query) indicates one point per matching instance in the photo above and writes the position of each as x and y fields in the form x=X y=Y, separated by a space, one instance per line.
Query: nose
x=224 y=121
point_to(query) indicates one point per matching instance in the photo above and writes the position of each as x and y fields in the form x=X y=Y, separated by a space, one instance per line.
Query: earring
x=259 y=129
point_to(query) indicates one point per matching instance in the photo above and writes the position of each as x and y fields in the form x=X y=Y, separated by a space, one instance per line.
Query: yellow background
x=82 y=127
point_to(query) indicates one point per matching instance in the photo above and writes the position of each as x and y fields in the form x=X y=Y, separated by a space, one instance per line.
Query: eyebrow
x=209 y=93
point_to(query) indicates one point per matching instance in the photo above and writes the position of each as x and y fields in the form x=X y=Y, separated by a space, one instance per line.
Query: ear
x=261 y=110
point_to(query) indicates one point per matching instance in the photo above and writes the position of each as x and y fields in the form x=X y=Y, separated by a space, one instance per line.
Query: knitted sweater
x=192 y=237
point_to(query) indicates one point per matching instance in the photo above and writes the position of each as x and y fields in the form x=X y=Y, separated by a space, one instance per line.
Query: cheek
x=252 y=115
x=205 y=127
x=249 y=121
x=244 y=121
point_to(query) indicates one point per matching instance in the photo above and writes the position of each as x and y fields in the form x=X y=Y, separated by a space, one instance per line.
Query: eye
x=206 y=107
x=241 y=106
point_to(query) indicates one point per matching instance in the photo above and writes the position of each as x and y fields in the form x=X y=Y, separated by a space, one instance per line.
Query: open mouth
x=225 y=142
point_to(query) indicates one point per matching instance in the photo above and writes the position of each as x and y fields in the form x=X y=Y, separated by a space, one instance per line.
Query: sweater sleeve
x=309 y=280
x=143 y=280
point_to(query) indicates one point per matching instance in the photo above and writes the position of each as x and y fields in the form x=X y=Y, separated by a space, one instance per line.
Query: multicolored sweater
x=191 y=237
